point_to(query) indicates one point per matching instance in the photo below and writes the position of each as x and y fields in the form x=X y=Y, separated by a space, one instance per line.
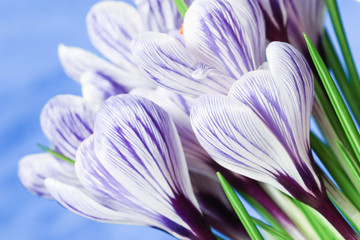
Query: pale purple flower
x=112 y=26
x=133 y=171
x=261 y=130
x=223 y=40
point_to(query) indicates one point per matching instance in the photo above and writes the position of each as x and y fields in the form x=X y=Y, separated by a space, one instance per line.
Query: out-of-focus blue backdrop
x=30 y=74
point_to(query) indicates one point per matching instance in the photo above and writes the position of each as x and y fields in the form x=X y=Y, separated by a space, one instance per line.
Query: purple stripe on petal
x=273 y=101
x=97 y=87
x=100 y=183
x=112 y=26
x=34 y=169
x=80 y=203
x=239 y=140
x=76 y=62
x=137 y=143
x=166 y=61
x=228 y=35
x=66 y=121
x=159 y=15
x=178 y=109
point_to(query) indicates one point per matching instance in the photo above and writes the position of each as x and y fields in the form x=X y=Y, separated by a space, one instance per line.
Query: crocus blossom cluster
x=154 y=125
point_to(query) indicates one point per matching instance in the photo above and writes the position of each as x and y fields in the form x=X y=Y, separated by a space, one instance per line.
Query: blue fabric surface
x=30 y=74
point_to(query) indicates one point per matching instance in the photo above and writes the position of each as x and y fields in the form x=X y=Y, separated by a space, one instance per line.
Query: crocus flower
x=111 y=30
x=261 y=130
x=133 y=170
x=223 y=40
x=112 y=26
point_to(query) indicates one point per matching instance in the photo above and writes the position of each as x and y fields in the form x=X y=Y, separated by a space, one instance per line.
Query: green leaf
x=272 y=231
x=331 y=162
x=323 y=228
x=181 y=6
x=345 y=49
x=240 y=210
x=350 y=162
x=265 y=214
x=334 y=63
x=56 y=154
x=336 y=100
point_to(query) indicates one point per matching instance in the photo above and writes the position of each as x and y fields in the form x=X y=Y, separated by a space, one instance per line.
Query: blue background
x=30 y=74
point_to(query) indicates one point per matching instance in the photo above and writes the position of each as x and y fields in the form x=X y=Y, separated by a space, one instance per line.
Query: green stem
x=336 y=100
x=240 y=210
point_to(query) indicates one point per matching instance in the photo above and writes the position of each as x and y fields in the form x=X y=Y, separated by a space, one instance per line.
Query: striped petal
x=34 y=169
x=228 y=35
x=80 y=203
x=76 y=62
x=178 y=109
x=159 y=15
x=238 y=139
x=142 y=151
x=294 y=79
x=166 y=61
x=96 y=87
x=112 y=26
x=102 y=185
x=66 y=121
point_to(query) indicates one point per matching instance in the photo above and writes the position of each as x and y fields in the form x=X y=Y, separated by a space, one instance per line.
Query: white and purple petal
x=76 y=62
x=228 y=35
x=239 y=140
x=66 y=121
x=35 y=168
x=178 y=108
x=101 y=184
x=159 y=15
x=79 y=202
x=96 y=87
x=112 y=26
x=166 y=61
x=137 y=143
x=294 y=81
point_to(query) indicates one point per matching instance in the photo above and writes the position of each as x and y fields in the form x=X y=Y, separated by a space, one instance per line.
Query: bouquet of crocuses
x=205 y=105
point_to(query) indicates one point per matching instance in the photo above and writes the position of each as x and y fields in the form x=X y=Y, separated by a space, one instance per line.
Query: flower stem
x=328 y=210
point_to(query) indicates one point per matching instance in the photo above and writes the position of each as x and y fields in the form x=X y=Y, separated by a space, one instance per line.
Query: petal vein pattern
x=166 y=61
x=228 y=35
x=112 y=26
x=137 y=144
